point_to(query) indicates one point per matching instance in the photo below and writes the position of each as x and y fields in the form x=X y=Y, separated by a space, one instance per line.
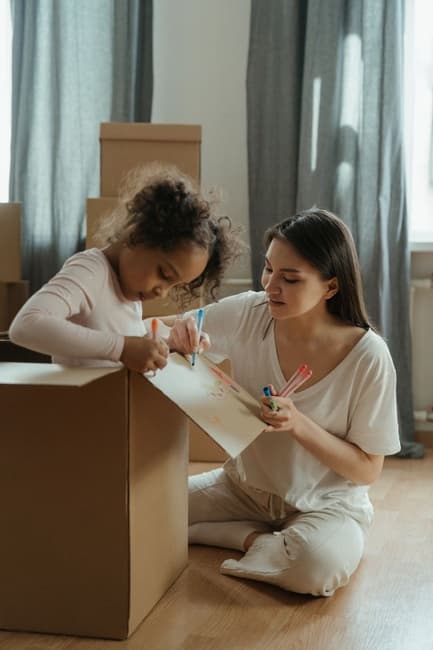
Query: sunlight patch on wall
x=352 y=82
x=315 y=113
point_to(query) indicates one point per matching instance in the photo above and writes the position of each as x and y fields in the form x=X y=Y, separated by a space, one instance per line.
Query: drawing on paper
x=217 y=391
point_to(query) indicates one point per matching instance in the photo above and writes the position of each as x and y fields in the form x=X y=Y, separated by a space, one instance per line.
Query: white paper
x=229 y=414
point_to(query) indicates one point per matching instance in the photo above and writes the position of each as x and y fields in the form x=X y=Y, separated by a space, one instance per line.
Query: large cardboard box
x=202 y=448
x=93 y=499
x=12 y=297
x=10 y=242
x=128 y=145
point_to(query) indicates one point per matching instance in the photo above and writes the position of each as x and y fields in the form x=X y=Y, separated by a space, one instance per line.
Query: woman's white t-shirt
x=356 y=401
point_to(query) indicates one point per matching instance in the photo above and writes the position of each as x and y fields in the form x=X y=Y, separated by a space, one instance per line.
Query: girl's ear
x=332 y=288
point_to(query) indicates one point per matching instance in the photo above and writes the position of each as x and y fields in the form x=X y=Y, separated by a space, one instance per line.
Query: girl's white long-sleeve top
x=80 y=317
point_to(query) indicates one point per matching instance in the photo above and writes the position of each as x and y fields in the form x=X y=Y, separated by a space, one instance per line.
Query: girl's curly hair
x=161 y=207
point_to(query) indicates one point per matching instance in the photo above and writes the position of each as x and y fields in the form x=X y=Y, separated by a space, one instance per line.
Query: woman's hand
x=286 y=417
x=142 y=353
x=183 y=337
x=343 y=457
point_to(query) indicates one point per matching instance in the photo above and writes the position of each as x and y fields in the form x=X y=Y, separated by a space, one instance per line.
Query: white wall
x=419 y=116
x=200 y=63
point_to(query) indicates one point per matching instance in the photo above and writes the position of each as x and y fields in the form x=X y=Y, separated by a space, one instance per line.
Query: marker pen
x=154 y=328
x=272 y=404
x=200 y=314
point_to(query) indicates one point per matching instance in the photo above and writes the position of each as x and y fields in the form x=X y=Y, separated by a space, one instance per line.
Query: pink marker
x=302 y=374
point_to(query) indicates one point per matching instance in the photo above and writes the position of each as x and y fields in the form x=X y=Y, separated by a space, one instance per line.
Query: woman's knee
x=320 y=568
x=319 y=572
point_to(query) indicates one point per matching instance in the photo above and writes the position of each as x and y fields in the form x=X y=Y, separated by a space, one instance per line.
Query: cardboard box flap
x=50 y=374
x=222 y=408
x=147 y=131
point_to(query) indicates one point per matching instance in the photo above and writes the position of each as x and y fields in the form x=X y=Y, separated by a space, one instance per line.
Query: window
x=419 y=119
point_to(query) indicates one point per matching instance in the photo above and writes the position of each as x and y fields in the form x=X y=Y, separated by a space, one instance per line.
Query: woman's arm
x=181 y=335
x=343 y=457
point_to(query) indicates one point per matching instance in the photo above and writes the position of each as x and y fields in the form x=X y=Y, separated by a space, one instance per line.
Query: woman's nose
x=272 y=286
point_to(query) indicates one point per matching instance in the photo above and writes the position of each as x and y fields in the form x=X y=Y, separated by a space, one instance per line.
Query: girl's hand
x=286 y=418
x=142 y=353
x=183 y=337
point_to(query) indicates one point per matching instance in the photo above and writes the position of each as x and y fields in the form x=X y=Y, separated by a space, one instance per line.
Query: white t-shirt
x=356 y=401
x=80 y=317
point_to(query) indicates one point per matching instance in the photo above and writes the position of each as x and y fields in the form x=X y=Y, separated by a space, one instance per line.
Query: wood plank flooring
x=388 y=605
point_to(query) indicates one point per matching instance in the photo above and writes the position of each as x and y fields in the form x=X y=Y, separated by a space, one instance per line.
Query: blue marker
x=272 y=404
x=200 y=315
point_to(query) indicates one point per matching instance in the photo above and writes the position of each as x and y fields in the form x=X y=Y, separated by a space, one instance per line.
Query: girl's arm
x=42 y=325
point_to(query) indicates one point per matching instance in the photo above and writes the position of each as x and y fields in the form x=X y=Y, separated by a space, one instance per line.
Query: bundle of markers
x=302 y=374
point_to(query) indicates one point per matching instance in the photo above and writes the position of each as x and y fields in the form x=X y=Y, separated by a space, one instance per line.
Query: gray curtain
x=325 y=128
x=75 y=63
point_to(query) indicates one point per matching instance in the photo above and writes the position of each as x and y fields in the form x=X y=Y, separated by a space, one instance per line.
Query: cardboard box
x=128 y=145
x=10 y=242
x=202 y=448
x=13 y=295
x=93 y=499
x=96 y=210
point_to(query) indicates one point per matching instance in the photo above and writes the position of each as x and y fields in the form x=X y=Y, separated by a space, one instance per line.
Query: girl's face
x=293 y=286
x=147 y=273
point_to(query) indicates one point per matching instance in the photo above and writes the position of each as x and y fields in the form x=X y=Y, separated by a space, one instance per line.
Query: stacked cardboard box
x=124 y=146
x=13 y=290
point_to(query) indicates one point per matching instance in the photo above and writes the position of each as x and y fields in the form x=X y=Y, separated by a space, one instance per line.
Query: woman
x=296 y=500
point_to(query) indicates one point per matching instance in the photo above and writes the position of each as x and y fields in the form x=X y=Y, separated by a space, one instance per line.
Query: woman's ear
x=332 y=288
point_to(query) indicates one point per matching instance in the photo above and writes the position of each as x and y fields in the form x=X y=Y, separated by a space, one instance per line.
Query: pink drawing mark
x=225 y=379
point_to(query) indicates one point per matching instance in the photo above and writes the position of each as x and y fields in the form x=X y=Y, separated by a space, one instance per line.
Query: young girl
x=296 y=500
x=163 y=237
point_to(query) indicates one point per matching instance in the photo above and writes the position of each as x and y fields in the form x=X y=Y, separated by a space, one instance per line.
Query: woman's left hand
x=285 y=418
x=184 y=337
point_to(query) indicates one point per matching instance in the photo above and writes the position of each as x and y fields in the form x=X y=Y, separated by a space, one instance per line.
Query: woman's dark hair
x=325 y=241
x=161 y=207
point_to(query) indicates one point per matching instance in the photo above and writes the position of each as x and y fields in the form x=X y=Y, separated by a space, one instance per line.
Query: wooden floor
x=388 y=605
